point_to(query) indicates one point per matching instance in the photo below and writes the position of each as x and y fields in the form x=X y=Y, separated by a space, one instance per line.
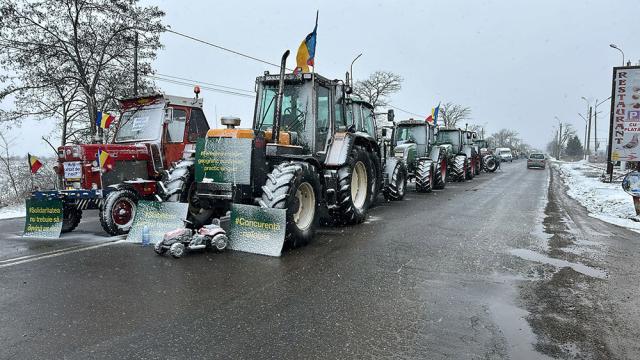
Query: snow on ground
x=13 y=211
x=604 y=201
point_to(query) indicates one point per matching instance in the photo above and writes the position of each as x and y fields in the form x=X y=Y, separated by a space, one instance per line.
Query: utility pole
x=559 y=141
x=589 y=134
x=135 y=64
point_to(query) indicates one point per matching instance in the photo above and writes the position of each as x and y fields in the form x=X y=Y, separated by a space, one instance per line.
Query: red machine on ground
x=151 y=157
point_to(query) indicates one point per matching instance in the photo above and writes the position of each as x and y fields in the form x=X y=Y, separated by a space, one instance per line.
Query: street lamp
x=614 y=46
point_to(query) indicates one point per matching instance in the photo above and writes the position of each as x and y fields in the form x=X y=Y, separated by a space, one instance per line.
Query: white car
x=504 y=154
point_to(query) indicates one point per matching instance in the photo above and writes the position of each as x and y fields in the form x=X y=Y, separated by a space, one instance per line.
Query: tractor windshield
x=414 y=134
x=143 y=124
x=451 y=137
x=296 y=107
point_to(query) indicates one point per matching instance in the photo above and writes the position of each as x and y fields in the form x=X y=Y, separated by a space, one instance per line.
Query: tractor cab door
x=174 y=135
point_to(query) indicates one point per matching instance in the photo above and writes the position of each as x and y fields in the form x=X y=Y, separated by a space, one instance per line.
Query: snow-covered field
x=13 y=211
x=604 y=201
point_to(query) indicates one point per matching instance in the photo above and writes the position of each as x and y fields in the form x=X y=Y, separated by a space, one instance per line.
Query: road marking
x=55 y=253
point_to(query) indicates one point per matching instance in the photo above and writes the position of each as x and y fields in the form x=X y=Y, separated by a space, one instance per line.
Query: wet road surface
x=504 y=266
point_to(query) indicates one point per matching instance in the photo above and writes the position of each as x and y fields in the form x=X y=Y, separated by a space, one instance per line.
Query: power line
x=407 y=112
x=177 y=82
x=203 y=82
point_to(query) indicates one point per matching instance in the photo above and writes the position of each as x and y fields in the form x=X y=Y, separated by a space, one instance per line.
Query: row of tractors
x=315 y=151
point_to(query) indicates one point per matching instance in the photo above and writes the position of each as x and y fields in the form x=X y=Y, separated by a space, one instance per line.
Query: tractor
x=459 y=153
x=412 y=142
x=299 y=155
x=489 y=162
x=152 y=151
x=473 y=150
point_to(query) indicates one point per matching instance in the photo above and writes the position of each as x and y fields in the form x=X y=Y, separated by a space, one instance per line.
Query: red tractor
x=152 y=158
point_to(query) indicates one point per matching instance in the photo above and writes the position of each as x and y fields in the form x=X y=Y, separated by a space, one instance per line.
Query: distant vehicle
x=504 y=154
x=536 y=160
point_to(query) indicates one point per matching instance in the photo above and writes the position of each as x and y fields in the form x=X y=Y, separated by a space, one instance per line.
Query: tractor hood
x=404 y=150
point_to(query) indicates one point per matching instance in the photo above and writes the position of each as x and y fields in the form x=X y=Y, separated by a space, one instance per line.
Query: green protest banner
x=224 y=160
x=44 y=218
x=160 y=217
x=257 y=230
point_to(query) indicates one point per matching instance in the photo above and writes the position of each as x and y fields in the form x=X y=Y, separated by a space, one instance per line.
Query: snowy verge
x=604 y=201
x=13 y=211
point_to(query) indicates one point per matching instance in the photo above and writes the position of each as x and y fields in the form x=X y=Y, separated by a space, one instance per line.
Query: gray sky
x=517 y=64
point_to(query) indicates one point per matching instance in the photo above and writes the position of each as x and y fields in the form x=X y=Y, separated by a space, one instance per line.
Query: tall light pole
x=559 y=138
x=584 y=144
x=588 y=125
x=614 y=46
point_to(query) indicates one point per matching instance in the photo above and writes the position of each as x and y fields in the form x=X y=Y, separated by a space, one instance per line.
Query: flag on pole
x=105 y=161
x=434 y=114
x=103 y=120
x=307 y=51
x=34 y=163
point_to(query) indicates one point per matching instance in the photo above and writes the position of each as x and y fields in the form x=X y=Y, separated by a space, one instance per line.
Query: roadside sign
x=224 y=160
x=159 y=217
x=44 y=218
x=72 y=170
x=257 y=230
x=625 y=114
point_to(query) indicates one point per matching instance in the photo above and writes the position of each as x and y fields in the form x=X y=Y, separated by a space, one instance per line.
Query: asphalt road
x=504 y=266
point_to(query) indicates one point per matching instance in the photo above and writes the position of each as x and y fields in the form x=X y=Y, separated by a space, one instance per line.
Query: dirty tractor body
x=460 y=153
x=150 y=157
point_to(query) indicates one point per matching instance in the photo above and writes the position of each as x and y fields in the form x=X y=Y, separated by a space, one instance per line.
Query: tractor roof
x=301 y=77
x=156 y=98
x=412 y=122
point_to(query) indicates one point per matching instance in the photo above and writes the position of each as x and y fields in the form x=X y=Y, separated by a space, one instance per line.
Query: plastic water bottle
x=145 y=235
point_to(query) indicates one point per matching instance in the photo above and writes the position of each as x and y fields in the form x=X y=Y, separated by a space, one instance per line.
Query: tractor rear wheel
x=118 y=212
x=376 y=178
x=354 y=187
x=71 y=217
x=478 y=163
x=440 y=174
x=471 y=168
x=182 y=187
x=397 y=183
x=294 y=186
x=424 y=176
x=459 y=170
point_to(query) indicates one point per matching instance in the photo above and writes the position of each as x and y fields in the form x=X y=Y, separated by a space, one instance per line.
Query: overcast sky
x=517 y=64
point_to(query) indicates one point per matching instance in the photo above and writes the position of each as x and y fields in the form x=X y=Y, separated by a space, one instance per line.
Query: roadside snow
x=13 y=211
x=604 y=201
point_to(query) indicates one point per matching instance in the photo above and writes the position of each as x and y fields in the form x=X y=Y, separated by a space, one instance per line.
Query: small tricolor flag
x=307 y=51
x=103 y=120
x=433 y=118
x=104 y=160
x=34 y=163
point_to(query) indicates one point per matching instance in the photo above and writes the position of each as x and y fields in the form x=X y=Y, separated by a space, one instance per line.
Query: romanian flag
x=433 y=118
x=103 y=120
x=34 y=163
x=307 y=51
x=105 y=161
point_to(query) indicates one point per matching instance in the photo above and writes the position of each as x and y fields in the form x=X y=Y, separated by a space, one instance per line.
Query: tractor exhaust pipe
x=277 y=117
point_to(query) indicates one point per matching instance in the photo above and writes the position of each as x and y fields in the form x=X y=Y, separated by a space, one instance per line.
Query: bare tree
x=506 y=138
x=451 y=114
x=5 y=161
x=71 y=58
x=377 y=89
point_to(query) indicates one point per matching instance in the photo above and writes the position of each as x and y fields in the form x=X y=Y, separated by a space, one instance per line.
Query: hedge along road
x=431 y=277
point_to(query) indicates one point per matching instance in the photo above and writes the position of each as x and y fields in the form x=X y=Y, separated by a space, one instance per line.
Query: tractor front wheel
x=71 y=217
x=459 y=168
x=376 y=181
x=118 y=212
x=424 y=176
x=353 y=193
x=440 y=174
x=397 y=183
x=294 y=186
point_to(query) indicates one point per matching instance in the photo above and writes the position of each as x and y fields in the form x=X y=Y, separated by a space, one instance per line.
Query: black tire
x=458 y=170
x=471 y=171
x=397 y=183
x=376 y=178
x=491 y=164
x=280 y=191
x=350 y=211
x=478 y=163
x=118 y=212
x=182 y=186
x=71 y=217
x=440 y=173
x=424 y=176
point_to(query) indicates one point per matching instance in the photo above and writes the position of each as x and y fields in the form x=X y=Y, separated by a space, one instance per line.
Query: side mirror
x=168 y=115
x=390 y=115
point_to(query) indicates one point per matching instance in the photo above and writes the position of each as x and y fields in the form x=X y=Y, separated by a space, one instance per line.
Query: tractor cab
x=452 y=138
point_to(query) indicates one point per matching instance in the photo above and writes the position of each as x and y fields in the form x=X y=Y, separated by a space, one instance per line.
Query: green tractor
x=412 y=142
x=460 y=153
x=300 y=155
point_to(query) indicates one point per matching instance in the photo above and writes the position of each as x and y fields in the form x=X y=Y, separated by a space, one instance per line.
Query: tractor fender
x=389 y=167
x=436 y=152
x=339 y=149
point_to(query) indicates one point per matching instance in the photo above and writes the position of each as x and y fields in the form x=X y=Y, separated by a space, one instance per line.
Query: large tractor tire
x=424 y=176
x=440 y=173
x=294 y=186
x=459 y=168
x=491 y=164
x=376 y=178
x=397 y=183
x=118 y=212
x=478 y=163
x=471 y=168
x=71 y=217
x=353 y=193
x=181 y=187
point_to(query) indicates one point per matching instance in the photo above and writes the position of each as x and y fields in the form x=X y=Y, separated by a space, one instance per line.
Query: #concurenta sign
x=625 y=117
